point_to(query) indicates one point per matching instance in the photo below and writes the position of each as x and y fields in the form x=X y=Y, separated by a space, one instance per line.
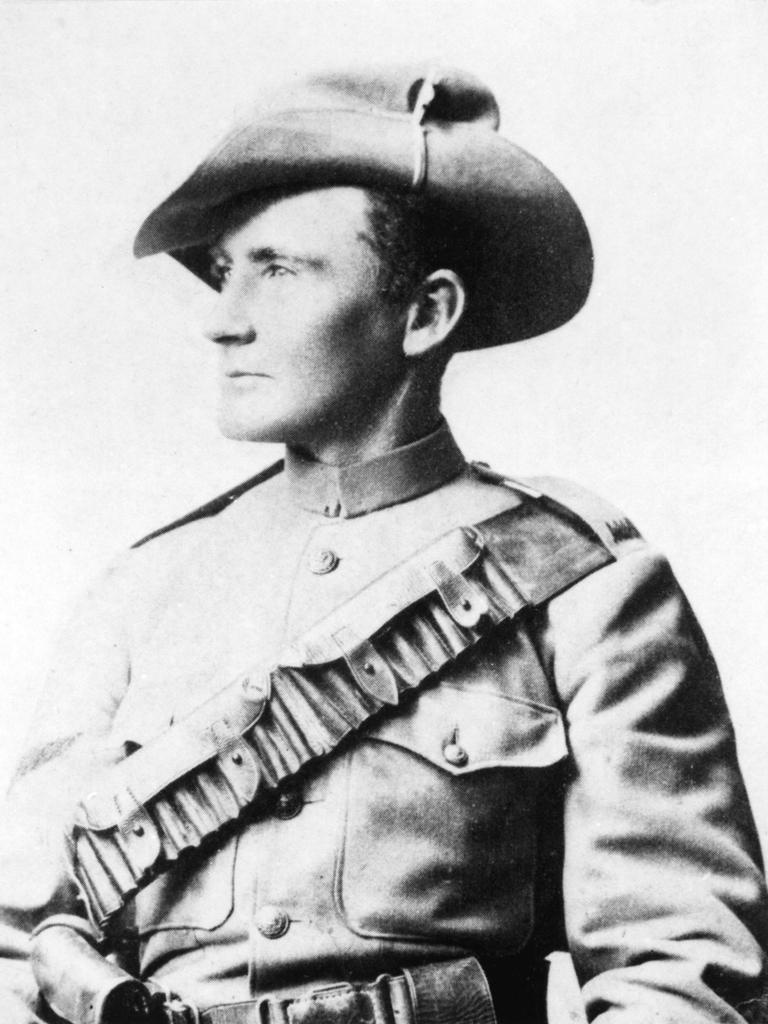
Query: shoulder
x=611 y=600
x=215 y=506
x=612 y=525
x=137 y=581
x=557 y=500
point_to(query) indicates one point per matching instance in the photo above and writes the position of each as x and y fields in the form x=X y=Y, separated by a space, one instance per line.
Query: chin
x=290 y=423
x=245 y=432
x=250 y=428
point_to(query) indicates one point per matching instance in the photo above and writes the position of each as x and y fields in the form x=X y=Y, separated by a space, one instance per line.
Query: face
x=309 y=350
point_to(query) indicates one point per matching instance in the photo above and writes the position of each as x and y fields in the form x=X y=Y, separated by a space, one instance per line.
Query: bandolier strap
x=188 y=783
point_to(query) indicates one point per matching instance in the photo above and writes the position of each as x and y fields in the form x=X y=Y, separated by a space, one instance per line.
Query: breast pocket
x=441 y=820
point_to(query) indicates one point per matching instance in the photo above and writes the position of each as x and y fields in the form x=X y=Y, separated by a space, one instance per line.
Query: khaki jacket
x=572 y=781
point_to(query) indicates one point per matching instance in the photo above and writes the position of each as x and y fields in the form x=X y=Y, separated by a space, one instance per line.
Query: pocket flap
x=467 y=729
x=198 y=895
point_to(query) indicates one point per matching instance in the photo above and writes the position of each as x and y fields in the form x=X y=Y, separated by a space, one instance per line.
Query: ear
x=434 y=312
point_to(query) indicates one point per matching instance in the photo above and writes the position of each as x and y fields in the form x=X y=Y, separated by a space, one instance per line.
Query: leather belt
x=455 y=992
x=385 y=1001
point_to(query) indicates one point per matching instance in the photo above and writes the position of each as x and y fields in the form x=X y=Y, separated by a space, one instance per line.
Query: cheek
x=327 y=344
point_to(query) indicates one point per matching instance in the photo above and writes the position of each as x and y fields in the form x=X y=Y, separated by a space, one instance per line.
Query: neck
x=389 y=479
x=406 y=418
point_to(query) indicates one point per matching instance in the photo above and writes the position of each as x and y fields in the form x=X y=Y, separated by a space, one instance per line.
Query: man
x=368 y=737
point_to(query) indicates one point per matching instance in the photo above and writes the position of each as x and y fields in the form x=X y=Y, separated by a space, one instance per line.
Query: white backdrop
x=653 y=114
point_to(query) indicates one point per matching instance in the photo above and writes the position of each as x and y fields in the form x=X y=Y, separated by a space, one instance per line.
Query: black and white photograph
x=385 y=533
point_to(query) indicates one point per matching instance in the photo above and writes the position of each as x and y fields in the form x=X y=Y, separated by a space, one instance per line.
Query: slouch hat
x=430 y=131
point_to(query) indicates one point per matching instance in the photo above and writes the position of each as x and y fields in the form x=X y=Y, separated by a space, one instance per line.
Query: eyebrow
x=267 y=254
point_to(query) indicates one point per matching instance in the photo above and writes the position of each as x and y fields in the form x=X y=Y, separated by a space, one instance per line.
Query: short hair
x=413 y=236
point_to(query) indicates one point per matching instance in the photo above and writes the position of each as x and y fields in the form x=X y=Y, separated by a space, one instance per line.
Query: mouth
x=234 y=374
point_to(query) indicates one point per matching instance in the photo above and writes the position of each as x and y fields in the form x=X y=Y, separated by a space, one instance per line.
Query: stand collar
x=388 y=479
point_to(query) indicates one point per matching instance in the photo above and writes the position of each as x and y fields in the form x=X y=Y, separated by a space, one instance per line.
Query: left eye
x=275 y=270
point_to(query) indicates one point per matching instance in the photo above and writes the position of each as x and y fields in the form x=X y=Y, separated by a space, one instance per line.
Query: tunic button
x=455 y=755
x=272 y=922
x=323 y=561
x=288 y=804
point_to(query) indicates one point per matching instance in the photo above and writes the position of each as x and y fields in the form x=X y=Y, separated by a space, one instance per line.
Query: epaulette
x=216 y=505
x=608 y=523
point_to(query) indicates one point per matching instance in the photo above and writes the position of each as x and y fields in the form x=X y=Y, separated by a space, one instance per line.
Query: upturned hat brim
x=532 y=253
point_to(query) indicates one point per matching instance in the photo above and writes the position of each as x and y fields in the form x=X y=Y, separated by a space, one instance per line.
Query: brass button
x=288 y=803
x=455 y=755
x=322 y=561
x=272 y=922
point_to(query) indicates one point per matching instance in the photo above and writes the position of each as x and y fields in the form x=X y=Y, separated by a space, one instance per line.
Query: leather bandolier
x=196 y=778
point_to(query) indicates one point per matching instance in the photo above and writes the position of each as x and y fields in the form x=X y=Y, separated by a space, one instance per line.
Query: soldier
x=368 y=737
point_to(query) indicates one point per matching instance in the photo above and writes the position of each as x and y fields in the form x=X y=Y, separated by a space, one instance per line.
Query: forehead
x=330 y=219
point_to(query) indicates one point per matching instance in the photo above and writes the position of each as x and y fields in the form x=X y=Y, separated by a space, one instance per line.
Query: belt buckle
x=173 y=1010
x=341 y=1003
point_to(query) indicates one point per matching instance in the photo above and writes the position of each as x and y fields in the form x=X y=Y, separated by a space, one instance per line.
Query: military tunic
x=572 y=780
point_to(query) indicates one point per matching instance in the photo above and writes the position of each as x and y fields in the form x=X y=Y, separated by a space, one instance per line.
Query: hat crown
x=458 y=96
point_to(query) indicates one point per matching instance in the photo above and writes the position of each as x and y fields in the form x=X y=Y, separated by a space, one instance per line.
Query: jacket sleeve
x=664 y=894
x=69 y=739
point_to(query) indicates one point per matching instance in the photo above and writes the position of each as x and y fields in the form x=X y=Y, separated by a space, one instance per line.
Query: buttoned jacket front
x=571 y=779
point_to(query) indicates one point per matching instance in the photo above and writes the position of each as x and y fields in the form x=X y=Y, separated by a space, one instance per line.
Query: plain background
x=653 y=114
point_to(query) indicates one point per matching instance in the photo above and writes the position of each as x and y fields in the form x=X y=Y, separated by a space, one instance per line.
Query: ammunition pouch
x=197 y=777
x=78 y=983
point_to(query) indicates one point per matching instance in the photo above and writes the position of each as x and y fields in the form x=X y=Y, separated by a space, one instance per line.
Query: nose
x=229 y=322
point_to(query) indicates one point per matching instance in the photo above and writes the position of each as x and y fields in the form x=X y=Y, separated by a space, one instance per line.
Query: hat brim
x=532 y=253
